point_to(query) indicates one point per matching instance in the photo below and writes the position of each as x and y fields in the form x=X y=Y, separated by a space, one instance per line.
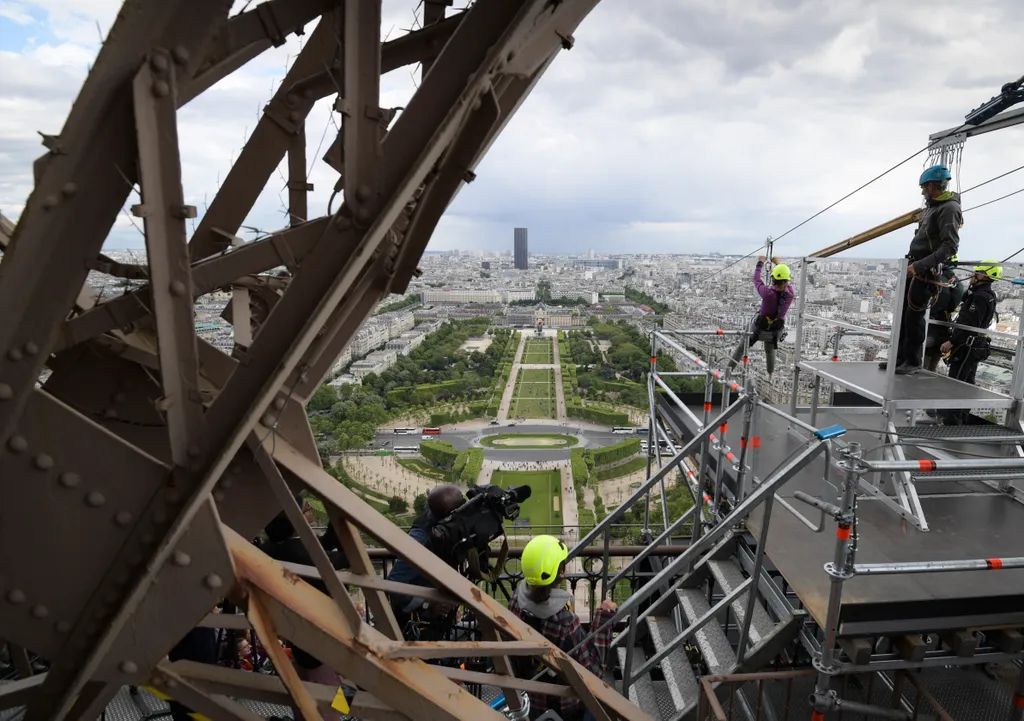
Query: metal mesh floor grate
x=974 y=434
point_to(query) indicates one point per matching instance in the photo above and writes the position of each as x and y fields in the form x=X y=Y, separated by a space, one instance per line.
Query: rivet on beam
x=14 y=354
x=180 y=54
x=218 y=496
x=182 y=559
x=50 y=202
x=44 y=462
x=213 y=581
x=18 y=444
x=269 y=420
x=31 y=348
x=95 y=499
x=123 y=518
x=5 y=392
x=16 y=595
x=129 y=667
x=279 y=403
x=161 y=89
x=69 y=479
x=40 y=611
x=110 y=413
x=177 y=288
x=159 y=62
x=69 y=190
x=62 y=626
x=194 y=451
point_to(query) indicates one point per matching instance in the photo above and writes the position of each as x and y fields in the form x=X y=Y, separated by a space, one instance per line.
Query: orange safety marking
x=724 y=427
x=743 y=441
x=835 y=358
x=720 y=332
x=756 y=441
x=843 y=532
x=735 y=386
x=689 y=472
x=730 y=456
x=707 y=498
x=707 y=406
x=715 y=374
x=654 y=359
x=1018 y=700
x=926 y=465
x=817 y=716
x=744 y=359
x=994 y=563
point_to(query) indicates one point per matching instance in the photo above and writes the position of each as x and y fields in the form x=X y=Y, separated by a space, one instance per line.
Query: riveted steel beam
x=81 y=188
x=360 y=109
x=164 y=212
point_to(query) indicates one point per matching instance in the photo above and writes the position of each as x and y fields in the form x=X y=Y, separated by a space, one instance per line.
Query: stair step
x=729 y=576
x=975 y=434
x=641 y=692
x=679 y=675
x=714 y=646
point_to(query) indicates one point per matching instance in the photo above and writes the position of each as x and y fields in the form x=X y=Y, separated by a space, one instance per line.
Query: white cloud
x=669 y=126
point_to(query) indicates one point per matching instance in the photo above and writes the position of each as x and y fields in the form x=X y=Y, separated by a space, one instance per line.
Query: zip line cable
x=995 y=200
x=990 y=180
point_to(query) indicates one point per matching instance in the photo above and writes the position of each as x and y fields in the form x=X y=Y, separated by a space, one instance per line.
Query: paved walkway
x=510 y=386
x=571 y=520
x=560 y=413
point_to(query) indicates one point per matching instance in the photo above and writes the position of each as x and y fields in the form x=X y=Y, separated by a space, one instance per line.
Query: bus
x=624 y=430
x=431 y=431
x=406 y=449
x=405 y=431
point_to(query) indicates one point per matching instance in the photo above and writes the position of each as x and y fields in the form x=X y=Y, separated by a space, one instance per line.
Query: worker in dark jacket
x=968 y=348
x=771 y=317
x=944 y=308
x=936 y=241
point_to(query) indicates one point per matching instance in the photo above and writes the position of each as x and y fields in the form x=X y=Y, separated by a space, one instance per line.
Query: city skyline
x=734 y=141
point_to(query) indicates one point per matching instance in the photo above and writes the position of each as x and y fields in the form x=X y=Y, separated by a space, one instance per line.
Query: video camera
x=476 y=523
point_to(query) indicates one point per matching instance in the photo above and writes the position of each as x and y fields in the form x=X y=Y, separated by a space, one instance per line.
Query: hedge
x=580 y=472
x=474 y=464
x=417 y=395
x=440 y=453
x=608 y=418
x=621 y=450
x=623 y=469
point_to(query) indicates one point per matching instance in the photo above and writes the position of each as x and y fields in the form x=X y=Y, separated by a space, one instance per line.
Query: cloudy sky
x=672 y=126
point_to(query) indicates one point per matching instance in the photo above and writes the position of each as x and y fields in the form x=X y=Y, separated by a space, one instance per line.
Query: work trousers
x=912 y=327
x=769 y=352
x=963 y=366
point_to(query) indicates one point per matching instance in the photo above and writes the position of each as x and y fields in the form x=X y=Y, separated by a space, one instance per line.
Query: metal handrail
x=974 y=329
x=849 y=326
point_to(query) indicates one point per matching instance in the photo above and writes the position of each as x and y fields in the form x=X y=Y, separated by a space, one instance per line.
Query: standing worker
x=771 y=318
x=951 y=292
x=968 y=348
x=936 y=241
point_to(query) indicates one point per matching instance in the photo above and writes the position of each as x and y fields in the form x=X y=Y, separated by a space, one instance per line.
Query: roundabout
x=527 y=441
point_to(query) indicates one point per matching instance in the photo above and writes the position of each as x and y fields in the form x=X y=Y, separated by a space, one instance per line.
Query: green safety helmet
x=952 y=262
x=990 y=268
x=542 y=558
x=781 y=272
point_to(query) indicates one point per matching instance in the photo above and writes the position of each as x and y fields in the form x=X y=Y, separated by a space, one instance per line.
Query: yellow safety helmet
x=541 y=560
x=990 y=268
x=781 y=272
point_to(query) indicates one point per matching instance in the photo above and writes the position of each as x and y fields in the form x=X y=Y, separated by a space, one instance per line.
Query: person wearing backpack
x=771 y=318
x=542 y=603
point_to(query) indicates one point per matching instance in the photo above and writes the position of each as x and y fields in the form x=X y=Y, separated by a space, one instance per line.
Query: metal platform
x=988 y=433
x=969 y=520
x=923 y=390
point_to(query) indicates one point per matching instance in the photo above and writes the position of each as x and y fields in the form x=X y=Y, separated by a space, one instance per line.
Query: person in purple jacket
x=771 y=318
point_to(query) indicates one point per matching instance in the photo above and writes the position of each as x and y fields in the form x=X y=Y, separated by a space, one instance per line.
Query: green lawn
x=528 y=441
x=630 y=466
x=538 y=509
x=534 y=395
x=539 y=351
x=422 y=468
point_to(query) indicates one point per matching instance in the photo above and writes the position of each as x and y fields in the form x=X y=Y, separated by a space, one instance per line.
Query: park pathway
x=560 y=414
x=510 y=386
x=570 y=534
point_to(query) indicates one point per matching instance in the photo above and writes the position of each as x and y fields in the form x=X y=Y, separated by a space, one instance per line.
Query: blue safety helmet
x=935 y=174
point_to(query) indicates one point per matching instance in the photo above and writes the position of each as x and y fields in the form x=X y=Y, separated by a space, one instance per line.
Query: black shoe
x=884 y=365
x=905 y=369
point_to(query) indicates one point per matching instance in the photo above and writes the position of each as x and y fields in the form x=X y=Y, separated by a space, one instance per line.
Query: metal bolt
x=129 y=667
x=159 y=62
x=40 y=611
x=363 y=192
x=31 y=348
x=69 y=190
x=69 y=479
x=171 y=683
x=18 y=444
x=44 y=462
x=279 y=403
x=218 y=496
x=290 y=100
x=294 y=116
x=269 y=420
x=14 y=354
x=62 y=626
x=161 y=89
x=50 y=202
x=16 y=595
x=5 y=392
x=123 y=518
x=213 y=581
x=182 y=559
x=177 y=288
x=95 y=499
x=180 y=54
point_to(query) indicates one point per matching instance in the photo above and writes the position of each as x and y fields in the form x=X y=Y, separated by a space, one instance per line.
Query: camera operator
x=420 y=620
x=284 y=544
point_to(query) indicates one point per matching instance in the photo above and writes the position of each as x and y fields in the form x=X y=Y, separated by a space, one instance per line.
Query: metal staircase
x=668 y=657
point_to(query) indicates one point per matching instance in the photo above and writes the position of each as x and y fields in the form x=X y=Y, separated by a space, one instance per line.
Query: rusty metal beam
x=164 y=212
x=298 y=186
x=80 y=190
x=217 y=708
x=877 y=232
x=360 y=109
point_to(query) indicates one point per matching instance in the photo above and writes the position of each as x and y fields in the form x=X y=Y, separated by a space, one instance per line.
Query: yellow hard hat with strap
x=542 y=558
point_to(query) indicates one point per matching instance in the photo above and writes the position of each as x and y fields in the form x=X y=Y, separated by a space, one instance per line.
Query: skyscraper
x=521 y=253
